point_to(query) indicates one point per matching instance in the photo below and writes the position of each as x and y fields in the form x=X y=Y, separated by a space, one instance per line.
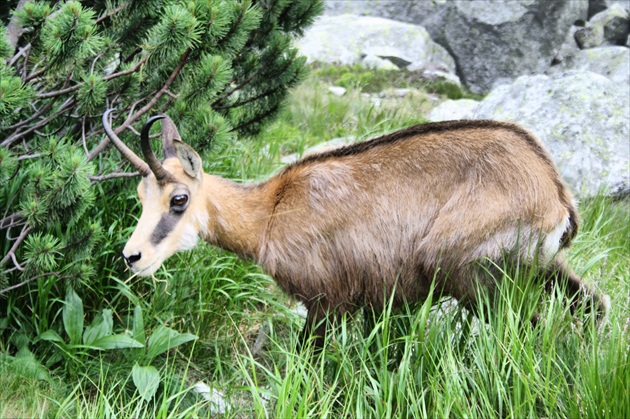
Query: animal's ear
x=169 y=136
x=189 y=158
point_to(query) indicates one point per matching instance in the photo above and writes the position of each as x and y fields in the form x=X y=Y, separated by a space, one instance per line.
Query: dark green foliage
x=69 y=38
x=220 y=68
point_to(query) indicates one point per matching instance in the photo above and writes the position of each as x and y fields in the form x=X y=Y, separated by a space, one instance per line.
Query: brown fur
x=345 y=228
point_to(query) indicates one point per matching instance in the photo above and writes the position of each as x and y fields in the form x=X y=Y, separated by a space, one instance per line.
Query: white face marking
x=162 y=229
x=188 y=239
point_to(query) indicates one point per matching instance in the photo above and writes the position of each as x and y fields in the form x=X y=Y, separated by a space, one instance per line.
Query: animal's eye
x=179 y=201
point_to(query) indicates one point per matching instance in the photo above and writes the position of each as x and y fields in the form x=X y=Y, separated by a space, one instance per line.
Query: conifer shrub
x=221 y=68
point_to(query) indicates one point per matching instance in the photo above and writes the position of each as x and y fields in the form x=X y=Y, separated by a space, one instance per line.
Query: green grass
x=311 y=116
x=27 y=390
x=376 y=81
x=431 y=360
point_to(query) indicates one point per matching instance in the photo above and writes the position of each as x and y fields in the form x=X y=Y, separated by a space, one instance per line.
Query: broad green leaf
x=51 y=336
x=138 y=325
x=165 y=338
x=127 y=293
x=28 y=365
x=146 y=380
x=101 y=326
x=73 y=317
x=116 y=342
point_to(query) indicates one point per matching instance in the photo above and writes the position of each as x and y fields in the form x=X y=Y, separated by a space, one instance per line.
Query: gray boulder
x=582 y=117
x=351 y=39
x=624 y=3
x=569 y=48
x=596 y=6
x=491 y=41
x=417 y=12
x=319 y=148
x=612 y=62
x=609 y=27
x=453 y=109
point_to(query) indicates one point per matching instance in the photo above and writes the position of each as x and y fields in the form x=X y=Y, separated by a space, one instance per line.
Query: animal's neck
x=238 y=213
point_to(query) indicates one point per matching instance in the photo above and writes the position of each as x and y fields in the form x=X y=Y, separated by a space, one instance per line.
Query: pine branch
x=231 y=31
x=133 y=117
x=27 y=121
x=11 y=254
x=250 y=100
x=238 y=87
x=256 y=119
x=114 y=175
x=35 y=74
x=129 y=71
x=21 y=51
x=259 y=96
x=59 y=92
x=12 y=220
x=246 y=82
x=68 y=104
x=21 y=284
x=76 y=243
x=14 y=29
x=110 y=14
x=131 y=55
x=28 y=157
x=106 y=78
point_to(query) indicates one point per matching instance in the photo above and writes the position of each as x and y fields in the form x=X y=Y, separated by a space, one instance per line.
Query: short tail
x=572 y=229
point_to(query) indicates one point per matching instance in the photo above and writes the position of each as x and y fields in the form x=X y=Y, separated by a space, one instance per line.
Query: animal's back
x=351 y=222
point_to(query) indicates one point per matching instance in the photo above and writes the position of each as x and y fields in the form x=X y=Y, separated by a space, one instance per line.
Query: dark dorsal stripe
x=423 y=129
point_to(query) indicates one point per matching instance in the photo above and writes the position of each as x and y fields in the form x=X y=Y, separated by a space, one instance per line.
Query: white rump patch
x=551 y=243
x=528 y=241
x=606 y=303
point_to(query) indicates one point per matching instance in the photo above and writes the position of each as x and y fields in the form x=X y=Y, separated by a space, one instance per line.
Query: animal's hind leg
x=314 y=328
x=487 y=292
x=475 y=288
x=575 y=287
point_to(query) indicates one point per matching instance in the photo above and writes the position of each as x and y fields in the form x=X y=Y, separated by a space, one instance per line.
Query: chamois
x=344 y=229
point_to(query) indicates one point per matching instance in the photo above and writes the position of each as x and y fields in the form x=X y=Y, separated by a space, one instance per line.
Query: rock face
x=491 y=41
x=454 y=109
x=582 y=117
x=612 y=62
x=596 y=6
x=374 y=42
x=609 y=27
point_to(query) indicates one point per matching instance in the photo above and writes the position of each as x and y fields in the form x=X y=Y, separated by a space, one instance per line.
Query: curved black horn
x=156 y=167
x=136 y=161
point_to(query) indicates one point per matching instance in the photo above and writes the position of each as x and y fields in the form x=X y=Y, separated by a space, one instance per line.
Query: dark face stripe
x=165 y=226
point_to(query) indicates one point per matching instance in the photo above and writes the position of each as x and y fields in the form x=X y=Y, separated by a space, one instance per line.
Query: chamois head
x=172 y=206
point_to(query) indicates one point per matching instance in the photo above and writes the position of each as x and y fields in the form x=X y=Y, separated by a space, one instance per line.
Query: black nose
x=131 y=259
